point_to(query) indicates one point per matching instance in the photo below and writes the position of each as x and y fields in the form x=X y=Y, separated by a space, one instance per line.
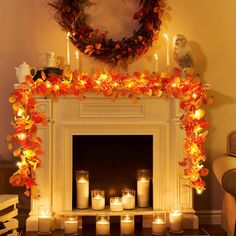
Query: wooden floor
x=213 y=230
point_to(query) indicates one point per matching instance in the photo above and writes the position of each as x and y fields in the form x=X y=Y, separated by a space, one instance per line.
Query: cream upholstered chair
x=225 y=171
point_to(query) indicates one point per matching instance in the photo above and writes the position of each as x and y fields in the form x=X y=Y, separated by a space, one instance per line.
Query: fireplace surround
x=97 y=115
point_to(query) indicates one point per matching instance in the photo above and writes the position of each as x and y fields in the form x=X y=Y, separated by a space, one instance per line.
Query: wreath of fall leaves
x=70 y=14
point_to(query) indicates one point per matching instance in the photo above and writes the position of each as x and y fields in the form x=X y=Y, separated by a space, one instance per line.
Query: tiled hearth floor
x=213 y=230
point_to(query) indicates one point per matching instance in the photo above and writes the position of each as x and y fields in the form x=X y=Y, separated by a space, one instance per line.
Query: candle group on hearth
x=126 y=202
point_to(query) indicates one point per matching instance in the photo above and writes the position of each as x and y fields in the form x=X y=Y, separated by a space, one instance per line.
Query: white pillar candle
x=176 y=221
x=127 y=227
x=82 y=193
x=156 y=58
x=143 y=189
x=158 y=227
x=68 y=48
x=98 y=203
x=44 y=224
x=128 y=201
x=167 y=50
x=116 y=204
x=70 y=226
x=103 y=227
x=77 y=60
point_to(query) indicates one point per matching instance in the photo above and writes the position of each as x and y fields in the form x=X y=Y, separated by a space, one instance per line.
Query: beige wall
x=28 y=30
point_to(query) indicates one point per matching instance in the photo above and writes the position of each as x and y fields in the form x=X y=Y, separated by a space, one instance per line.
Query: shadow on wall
x=200 y=59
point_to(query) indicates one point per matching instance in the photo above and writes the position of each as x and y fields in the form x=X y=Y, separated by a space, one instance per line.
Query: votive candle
x=98 y=199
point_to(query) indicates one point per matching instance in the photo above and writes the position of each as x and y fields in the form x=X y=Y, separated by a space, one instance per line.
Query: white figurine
x=182 y=52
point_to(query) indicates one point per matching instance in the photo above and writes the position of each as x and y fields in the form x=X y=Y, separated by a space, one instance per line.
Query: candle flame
x=77 y=54
x=156 y=56
x=166 y=36
x=68 y=34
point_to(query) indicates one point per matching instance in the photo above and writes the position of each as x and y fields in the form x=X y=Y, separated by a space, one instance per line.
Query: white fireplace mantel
x=69 y=116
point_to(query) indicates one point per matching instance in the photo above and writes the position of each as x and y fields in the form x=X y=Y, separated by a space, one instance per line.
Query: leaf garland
x=188 y=90
x=70 y=14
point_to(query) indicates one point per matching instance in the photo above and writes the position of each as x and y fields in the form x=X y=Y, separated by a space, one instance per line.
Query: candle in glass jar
x=71 y=225
x=128 y=199
x=116 y=204
x=143 y=187
x=98 y=200
x=127 y=225
x=82 y=189
x=103 y=225
x=68 y=48
x=176 y=221
x=158 y=227
x=44 y=224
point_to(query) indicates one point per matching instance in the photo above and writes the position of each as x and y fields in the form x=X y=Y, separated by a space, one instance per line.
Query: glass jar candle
x=143 y=187
x=102 y=224
x=176 y=220
x=70 y=224
x=116 y=204
x=98 y=199
x=82 y=189
x=127 y=224
x=128 y=199
x=159 y=223
x=44 y=220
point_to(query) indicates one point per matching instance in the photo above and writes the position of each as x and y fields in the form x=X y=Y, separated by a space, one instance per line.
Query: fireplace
x=112 y=161
x=100 y=118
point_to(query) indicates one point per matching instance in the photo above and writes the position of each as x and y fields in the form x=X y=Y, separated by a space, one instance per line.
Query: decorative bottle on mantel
x=82 y=189
x=143 y=187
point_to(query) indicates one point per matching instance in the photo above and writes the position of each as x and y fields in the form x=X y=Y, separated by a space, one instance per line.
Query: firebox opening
x=112 y=162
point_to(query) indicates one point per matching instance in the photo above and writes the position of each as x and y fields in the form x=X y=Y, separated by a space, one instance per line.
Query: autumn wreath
x=70 y=14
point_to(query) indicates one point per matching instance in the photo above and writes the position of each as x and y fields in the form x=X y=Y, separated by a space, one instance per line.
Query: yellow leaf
x=17 y=152
x=12 y=99
x=8 y=138
x=16 y=106
x=29 y=153
x=9 y=146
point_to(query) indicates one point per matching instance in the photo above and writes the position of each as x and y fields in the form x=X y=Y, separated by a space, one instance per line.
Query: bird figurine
x=182 y=52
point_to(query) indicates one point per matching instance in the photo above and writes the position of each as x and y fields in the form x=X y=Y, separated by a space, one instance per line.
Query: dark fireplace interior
x=112 y=161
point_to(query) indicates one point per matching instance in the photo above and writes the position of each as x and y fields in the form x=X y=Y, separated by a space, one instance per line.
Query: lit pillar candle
x=167 y=50
x=77 y=60
x=143 y=187
x=44 y=221
x=102 y=225
x=68 y=48
x=127 y=225
x=71 y=224
x=128 y=199
x=176 y=221
x=82 y=189
x=116 y=204
x=98 y=200
x=155 y=63
x=159 y=224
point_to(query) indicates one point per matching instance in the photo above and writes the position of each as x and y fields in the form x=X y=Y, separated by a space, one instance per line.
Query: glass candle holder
x=98 y=199
x=176 y=220
x=44 y=220
x=127 y=224
x=143 y=187
x=128 y=199
x=159 y=223
x=116 y=204
x=70 y=224
x=82 y=189
x=103 y=225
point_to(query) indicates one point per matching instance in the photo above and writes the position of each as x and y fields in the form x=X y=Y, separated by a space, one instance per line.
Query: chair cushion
x=229 y=182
